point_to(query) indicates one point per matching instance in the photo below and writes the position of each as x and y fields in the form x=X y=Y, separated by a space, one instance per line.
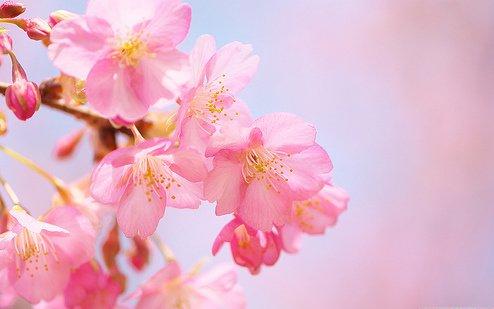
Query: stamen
x=266 y=166
x=131 y=50
x=153 y=173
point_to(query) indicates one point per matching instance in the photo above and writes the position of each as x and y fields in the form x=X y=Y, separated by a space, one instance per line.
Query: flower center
x=152 y=173
x=131 y=50
x=266 y=166
x=29 y=244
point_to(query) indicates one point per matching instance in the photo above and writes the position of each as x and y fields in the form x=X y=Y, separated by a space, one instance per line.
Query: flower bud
x=11 y=9
x=23 y=98
x=38 y=29
x=60 y=15
x=3 y=124
x=66 y=146
x=5 y=43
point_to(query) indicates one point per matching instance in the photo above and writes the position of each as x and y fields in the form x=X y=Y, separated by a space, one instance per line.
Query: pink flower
x=261 y=170
x=38 y=255
x=126 y=50
x=313 y=216
x=67 y=145
x=89 y=287
x=170 y=288
x=250 y=248
x=143 y=179
x=217 y=77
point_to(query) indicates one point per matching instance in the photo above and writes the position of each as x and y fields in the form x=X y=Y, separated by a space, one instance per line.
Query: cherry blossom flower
x=170 y=288
x=250 y=248
x=313 y=216
x=141 y=180
x=38 y=255
x=126 y=51
x=217 y=77
x=261 y=170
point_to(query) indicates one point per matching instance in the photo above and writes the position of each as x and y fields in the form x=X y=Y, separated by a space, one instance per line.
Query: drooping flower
x=250 y=248
x=210 y=100
x=170 y=288
x=261 y=170
x=141 y=180
x=38 y=255
x=126 y=51
x=313 y=216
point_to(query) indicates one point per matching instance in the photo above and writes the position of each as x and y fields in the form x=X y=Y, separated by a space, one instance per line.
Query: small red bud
x=11 y=9
x=23 y=98
x=38 y=29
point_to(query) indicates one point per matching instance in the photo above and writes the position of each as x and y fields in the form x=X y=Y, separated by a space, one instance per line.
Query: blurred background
x=402 y=94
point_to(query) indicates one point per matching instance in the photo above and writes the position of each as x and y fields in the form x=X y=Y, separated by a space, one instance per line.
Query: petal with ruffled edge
x=262 y=207
x=78 y=43
x=285 y=132
x=225 y=184
x=225 y=235
x=291 y=237
x=200 y=55
x=139 y=216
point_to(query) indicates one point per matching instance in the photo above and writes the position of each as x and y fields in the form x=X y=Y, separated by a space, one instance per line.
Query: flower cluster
x=190 y=139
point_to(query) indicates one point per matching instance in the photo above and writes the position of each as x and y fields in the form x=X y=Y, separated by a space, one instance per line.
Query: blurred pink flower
x=143 y=179
x=170 y=288
x=126 y=52
x=209 y=101
x=250 y=248
x=261 y=170
x=313 y=216
x=38 y=255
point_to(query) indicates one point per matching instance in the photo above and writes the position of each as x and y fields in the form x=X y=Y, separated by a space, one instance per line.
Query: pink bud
x=66 y=146
x=23 y=98
x=38 y=29
x=11 y=9
x=5 y=43
x=60 y=15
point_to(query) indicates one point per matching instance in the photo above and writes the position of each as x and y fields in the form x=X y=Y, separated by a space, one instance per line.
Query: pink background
x=402 y=93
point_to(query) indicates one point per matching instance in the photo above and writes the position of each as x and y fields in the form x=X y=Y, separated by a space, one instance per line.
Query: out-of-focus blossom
x=170 y=288
x=3 y=123
x=313 y=216
x=210 y=102
x=139 y=254
x=60 y=15
x=250 y=248
x=126 y=52
x=141 y=180
x=72 y=90
x=66 y=146
x=89 y=287
x=38 y=29
x=11 y=9
x=38 y=255
x=261 y=170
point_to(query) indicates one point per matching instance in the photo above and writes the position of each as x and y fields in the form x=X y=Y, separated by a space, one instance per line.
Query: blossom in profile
x=259 y=171
x=126 y=52
x=141 y=180
x=250 y=248
x=313 y=216
x=210 y=100
x=170 y=288
x=38 y=255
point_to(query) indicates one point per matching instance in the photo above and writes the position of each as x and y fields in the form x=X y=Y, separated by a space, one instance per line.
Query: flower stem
x=10 y=192
x=137 y=135
x=164 y=249
x=56 y=182
x=21 y=23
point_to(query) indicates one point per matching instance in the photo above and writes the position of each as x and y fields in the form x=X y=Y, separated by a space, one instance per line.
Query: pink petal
x=291 y=238
x=225 y=235
x=200 y=55
x=111 y=177
x=138 y=216
x=263 y=207
x=189 y=164
x=187 y=195
x=225 y=184
x=233 y=137
x=272 y=249
x=27 y=221
x=234 y=65
x=221 y=279
x=195 y=133
x=114 y=91
x=78 y=43
x=5 y=240
x=168 y=273
x=78 y=246
x=286 y=132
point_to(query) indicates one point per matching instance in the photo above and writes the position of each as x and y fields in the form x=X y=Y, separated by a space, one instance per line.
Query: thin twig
x=10 y=192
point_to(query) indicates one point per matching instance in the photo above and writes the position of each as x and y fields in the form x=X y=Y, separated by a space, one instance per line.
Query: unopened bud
x=5 y=43
x=66 y=146
x=38 y=29
x=11 y=9
x=3 y=124
x=60 y=15
x=23 y=98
